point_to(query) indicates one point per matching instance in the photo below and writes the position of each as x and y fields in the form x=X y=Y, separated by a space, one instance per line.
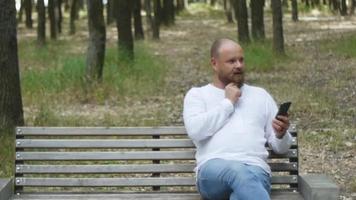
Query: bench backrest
x=139 y=159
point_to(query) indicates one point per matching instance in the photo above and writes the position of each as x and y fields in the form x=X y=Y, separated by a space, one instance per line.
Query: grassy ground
x=318 y=75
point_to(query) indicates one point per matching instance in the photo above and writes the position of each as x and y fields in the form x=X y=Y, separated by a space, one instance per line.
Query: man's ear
x=213 y=62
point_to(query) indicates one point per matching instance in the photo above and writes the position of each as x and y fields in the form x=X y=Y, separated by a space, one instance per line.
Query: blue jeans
x=220 y=179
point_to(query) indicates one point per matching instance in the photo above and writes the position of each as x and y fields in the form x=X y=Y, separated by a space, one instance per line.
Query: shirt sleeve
x=281 y=145
x=201 y=123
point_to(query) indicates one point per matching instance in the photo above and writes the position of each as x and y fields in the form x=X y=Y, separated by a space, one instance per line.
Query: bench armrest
x=6 y=188
x=318 y=187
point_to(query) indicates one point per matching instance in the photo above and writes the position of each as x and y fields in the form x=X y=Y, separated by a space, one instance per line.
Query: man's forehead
x=230 y=47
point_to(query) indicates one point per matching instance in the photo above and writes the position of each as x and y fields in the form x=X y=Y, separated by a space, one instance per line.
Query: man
x=229 y=123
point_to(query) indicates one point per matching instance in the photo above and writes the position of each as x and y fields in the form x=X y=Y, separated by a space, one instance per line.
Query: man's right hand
x=232 y=92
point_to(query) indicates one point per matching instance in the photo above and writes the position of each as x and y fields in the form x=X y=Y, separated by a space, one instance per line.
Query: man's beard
x=238 y=79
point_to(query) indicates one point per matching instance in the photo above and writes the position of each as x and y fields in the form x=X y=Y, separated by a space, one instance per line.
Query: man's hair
x=215 y=47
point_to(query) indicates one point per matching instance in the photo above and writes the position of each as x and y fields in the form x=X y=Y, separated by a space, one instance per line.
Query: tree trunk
x=258 y=26
x=228 y=11
x=52 y=19
x=167 y=12
x=156 y=19
x=343 y=9
x=139 y=35
x=96 y=43
x=22 y=7
x=123 y=23
x=10 y=90
x=278 y=39
x=66 y=5
x=180 y=5
x=41 y=27
x=148 y=10
x=294 y=10
x=28 y=11
x=352 y=7
x=73 y=13
x=59 y=15
x=285 y=3
x=110 y=12
x=242 y=20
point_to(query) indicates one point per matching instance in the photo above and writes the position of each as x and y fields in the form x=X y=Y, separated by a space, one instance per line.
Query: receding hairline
x=215 y=47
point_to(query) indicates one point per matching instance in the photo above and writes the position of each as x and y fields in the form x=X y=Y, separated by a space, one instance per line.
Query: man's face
x=229 y=64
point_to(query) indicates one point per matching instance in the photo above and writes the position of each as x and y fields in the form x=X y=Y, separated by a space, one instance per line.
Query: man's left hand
x=280 y=125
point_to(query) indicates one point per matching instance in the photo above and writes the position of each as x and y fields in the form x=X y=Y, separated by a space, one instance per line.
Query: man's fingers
x=283 y=118
x=282 y=124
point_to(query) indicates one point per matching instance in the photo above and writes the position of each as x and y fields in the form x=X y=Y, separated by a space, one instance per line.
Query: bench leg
x=6 y=188
x=318 y=187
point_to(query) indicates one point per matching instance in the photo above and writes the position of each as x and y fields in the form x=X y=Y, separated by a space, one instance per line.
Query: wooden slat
x=85 y=169
x=275 y=195
x=101 y=131
x=108 y=182
x=109 y=143
x=135 y=155
x=137 y=168
x=127 y=155
x=96 y=143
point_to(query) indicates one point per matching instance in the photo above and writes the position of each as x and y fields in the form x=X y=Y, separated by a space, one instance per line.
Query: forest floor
x=318 y=75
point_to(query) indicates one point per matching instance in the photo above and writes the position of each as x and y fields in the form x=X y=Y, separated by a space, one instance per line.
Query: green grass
x=198 y=10
x=64 y=74
x=7 y=154
x=346 y=46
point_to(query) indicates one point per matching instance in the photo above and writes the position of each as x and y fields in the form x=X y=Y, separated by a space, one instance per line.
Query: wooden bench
x=130 y=163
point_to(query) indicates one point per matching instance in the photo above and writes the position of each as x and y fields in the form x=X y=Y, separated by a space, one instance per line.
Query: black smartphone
x=283 y=108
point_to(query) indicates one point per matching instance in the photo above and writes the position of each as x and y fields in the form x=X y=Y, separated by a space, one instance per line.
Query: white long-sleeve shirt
x=221 y=129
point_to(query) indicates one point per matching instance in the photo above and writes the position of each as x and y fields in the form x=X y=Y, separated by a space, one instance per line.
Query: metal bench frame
x=156 y=145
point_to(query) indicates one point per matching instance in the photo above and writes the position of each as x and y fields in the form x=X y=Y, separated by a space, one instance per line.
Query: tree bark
x=343 y=8
x=228 y=11
x=59 y=15
x=167 y=12
x=97 y=39
x=52 y=19
x=180 y=5
x=156 y=19
x=10 y=90
x=294 y=10
x=149 y=20
x=110 y=12
x=123 y=23
x=278 y=39
x=242 y=20
x=352 y=7
x=41 y=27
x=139 y=35
x=258 y=26
x=73 y=13
x=28 y=11
x=22 y=7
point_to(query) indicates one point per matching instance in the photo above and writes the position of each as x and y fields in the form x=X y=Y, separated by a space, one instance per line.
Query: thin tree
x=343 y=8
x=148 y=9
x=110 y=12
x=156 y=19
x=257 y=15
x=241 y=15
x=294 y=10
x=73 y=16
x=97 y=39
x=278 y=38
x=59 y=15
x=123 y=24
x=52 y=19
x=228 y=11
x=28 y=11
x=352 y=7
x=139 y=35
x=10 y=91
x=167 y=17
x=41 y=27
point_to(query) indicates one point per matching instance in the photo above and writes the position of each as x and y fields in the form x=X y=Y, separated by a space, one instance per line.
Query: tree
x=343 y=8
x=10 y=92
x=242 y=20
x=156 y=19
x=73 y=16
x=41 y=27
x=28 y=11
x=258 y=26
x=228 y=11
x=123 y=23
x=110 y=12
x=167 y=12
x=139 y=35
x=294 y=10
x=148 y=9
x=352 y=7
x=52 y=19
x=278 y=39
x=97 y=39
x=59 y=17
